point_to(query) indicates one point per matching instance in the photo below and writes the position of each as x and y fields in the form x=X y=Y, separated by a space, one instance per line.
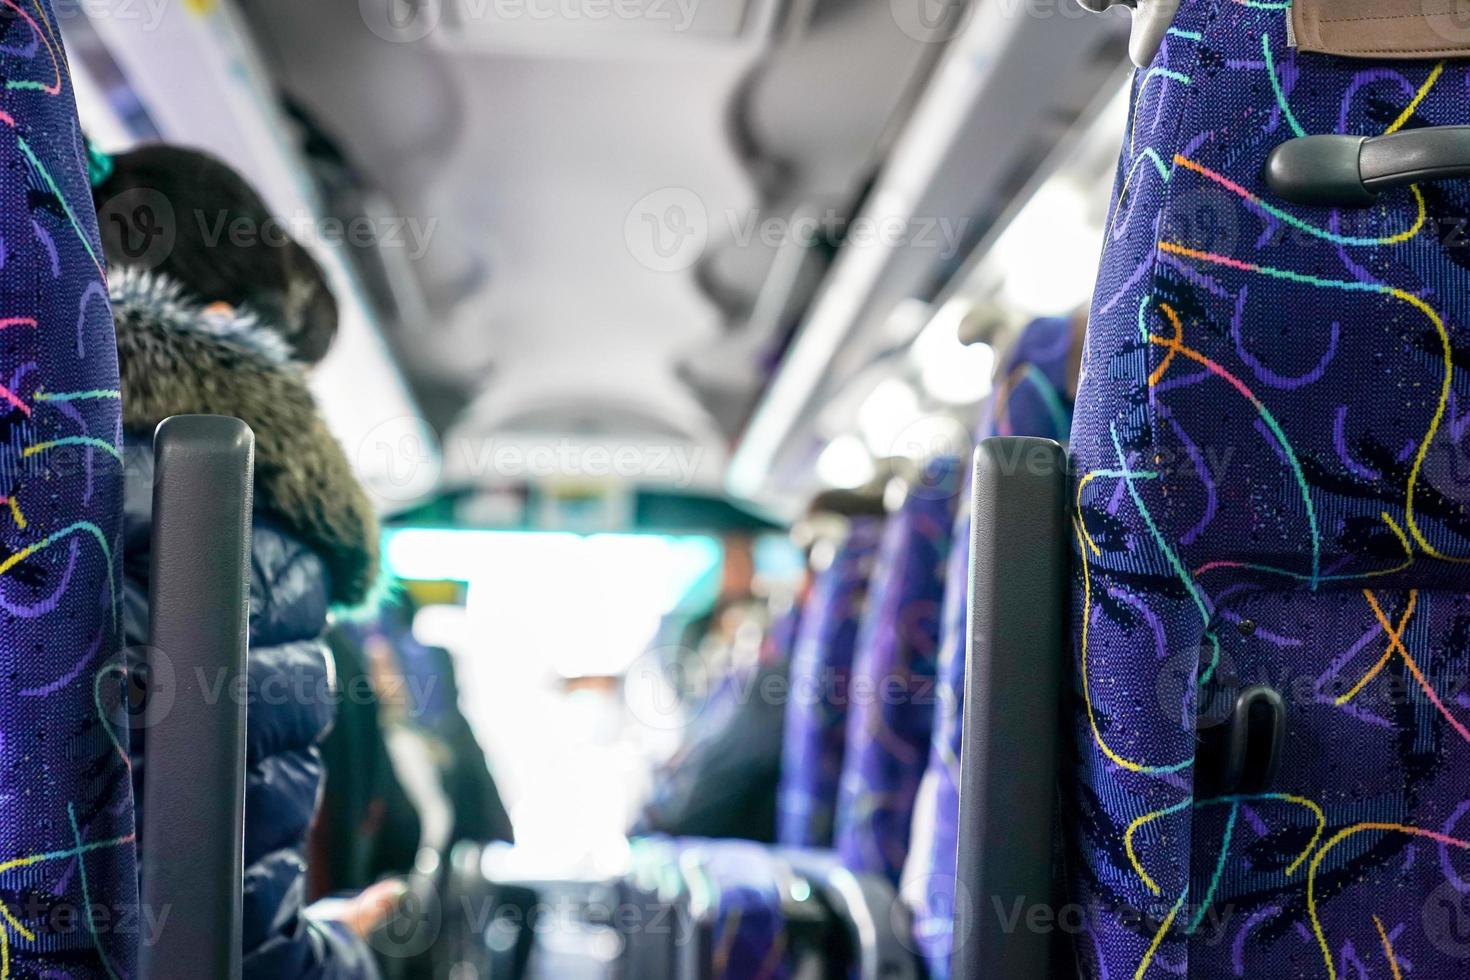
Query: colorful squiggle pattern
x=1033 y=397
x=821 y=668
x=1271 y=437
x=893 y=702
x=68 y=881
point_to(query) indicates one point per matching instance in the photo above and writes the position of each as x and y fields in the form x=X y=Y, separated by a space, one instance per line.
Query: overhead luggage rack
x=1010 y=88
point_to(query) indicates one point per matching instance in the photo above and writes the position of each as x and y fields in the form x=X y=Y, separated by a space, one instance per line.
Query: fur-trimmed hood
x=178 y=359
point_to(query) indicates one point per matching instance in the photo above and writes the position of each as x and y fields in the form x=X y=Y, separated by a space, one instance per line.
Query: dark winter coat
x=314 y=544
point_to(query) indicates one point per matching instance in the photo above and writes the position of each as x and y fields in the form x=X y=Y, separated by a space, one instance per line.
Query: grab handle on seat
x=1013 y=682
x=1151 y=22
x=194 y=781
x=869 y=909
x=1352 y=171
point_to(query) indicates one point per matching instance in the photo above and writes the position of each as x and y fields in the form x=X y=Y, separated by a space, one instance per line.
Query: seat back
x=193 y=796
x=1271 y=499
x=1033 y=398
x=816 y=712
x=743 y=930
x=892 y=697
x=68 y=880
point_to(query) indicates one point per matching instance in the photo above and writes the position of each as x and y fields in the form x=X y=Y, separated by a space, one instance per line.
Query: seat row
x=861 y=879
x=1213 y=723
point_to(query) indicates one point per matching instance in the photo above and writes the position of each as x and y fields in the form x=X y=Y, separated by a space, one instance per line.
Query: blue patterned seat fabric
x=68 y=879
x=816 y=713
x=858 y=720
x=1033 y=398
x=748 y=939
x=1270 y=447
x=892 y=700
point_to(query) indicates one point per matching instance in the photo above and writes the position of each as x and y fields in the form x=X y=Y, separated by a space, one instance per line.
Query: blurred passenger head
x=192 y=218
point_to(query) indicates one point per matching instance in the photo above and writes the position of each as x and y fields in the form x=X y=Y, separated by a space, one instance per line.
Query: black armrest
x=1352 y=171
x=194 y=782
x=1013 y=679
x=869 y=907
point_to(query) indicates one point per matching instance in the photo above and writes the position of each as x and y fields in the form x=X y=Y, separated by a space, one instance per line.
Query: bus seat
x=1271 y=530
x=68 y=841
x=892 y=703
x=1033 y=398
x=66 y=837
x=797 y=902
x=191 y=825
x=726 y=893
x=816 y=714
x=758 y=911
x=744 y=930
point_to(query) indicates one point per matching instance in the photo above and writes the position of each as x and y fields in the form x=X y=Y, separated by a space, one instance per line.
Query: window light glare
x=950 y=371
x=1049 y=254
x=845 y=463
x=886 y=413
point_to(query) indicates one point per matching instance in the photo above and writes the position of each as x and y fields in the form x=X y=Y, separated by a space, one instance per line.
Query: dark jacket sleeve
x=292 y=943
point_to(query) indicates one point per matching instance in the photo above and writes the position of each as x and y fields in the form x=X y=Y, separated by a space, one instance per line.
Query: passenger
x=418 y=757
x=222 y=317
x=432 y=694
x=722 y=781
x=479 y=811
x=367 y=828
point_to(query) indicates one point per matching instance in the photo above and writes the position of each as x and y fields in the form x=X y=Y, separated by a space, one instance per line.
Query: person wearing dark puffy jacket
x=223 y=328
